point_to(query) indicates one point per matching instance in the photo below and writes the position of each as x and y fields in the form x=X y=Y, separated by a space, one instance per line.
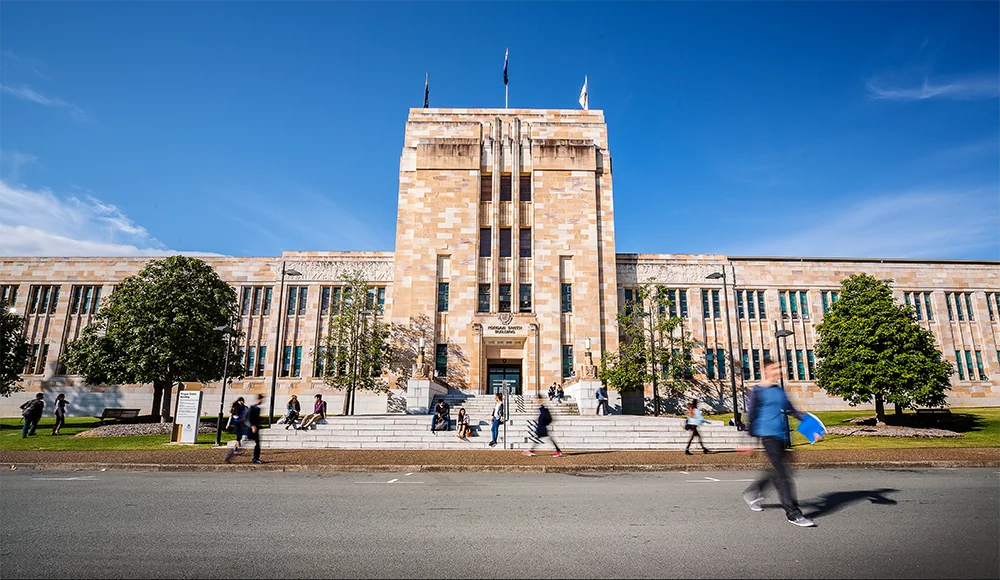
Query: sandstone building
x=505 y=248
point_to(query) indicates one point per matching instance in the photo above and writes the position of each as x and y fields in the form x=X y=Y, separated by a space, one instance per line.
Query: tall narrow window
x=320 y=362
x=87 y=297
x=256 y=301
x=250 y=361
x=710 y=363
x=756 y=364
x=74 y=304
x=705 y=313
x=672 y=297
x=441 y=360
x=293 y=293
x=267 y=301
x=485 y=242
x=302 y=300
x=767 y=355
x=442 y=297
x=979 y=365
x=918 y=307
x=746 y=365
x=8 y=294
x=503 y=305
x=44 y=307
x=337 y=298
x=958 y=364
x=968 y=305
x=947 y=301
x=720 y=358
x=804 y=302
x=968 y=364
x=800 y=364
x=783 y=302
x=244 y=311
x=629 y=300
x=297 y=364
x=793 y=301
x=812 y=364
x=751 y=298
x=286 y=361
x=97 y=299
x=684 y=302
x=380 y=299
x=739 y=304
x=566 y=297
x=524 y=243
x=260 y=360
x=525 y=190
x=524 y=298
x=324 y=301
x=505 y=242
x=825 y=297
x=486 y=187
x=505 y=193
x=989 y=304
x=716 y=311
x=483 y=303
x=927 y=305
x=789 y=364
x=567 y=360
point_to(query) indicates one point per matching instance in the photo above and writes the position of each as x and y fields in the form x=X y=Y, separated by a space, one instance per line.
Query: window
x=746 y=365
x=505 y=188
x=979 y=365
x=968 y=305
x=684 y=302
x=43 y=299
x=297 y=365
x=442 y=297
x=441 y=360
x=505 y=242
x=525 y=190
x=320 y=361
x=739 y=305
x=337 y=298
x=85 y=304
x=958 y=298
x=524 y=243
x=249 y=361
x=267 y=301
x=245 y=310
x=29 y=367
x=566 y=297
x=710 y=364
x=783 y=303
x=286 y=361
x=483 y=304
x=828 y=297
x=380 y=300
x=485 y=242
x=767 y=355
x=524 y=298
x=567 y=360
x=993 y=304
x=504 y=302
x=790 y=301
x=812 y=365
x=968 y=364
x=927 y=305
x=756 y=364
x=292 y=300
x=629 y=300
x=262 y=354
x=486 y=187
x=800 y=365
x=672 y=298
x=754 y=303
x=302 y=301
x=370 y=299
x=947 y=301
x=8 y=294
x=715 y=303
x=958 y=364
x=720 y=358
x=789 y=365
x=704 y=304
x=324 y=301
x=804 y=302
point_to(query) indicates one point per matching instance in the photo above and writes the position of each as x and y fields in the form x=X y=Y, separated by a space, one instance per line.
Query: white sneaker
x=755 y=502
x=803 y=522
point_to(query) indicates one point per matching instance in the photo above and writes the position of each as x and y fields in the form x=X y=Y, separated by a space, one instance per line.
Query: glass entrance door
x=504 y=378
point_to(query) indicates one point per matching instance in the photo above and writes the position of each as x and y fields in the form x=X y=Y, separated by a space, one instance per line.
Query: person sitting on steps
x=319 y=412
x=441 y=420
x=463 y=424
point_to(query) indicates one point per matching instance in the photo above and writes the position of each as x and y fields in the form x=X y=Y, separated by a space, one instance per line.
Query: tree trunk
x=879 y=409
x=168 y=387
x=898 y=411
x=157 y=398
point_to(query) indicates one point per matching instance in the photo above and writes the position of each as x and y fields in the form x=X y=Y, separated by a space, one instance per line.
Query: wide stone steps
x=413 y=432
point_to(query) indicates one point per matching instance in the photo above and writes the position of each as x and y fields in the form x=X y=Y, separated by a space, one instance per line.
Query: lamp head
x=783 y=333
x=715 y=276
x=292 y=272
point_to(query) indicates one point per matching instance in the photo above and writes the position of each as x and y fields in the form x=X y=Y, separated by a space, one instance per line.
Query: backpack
x=544 y=417
x=29 y=408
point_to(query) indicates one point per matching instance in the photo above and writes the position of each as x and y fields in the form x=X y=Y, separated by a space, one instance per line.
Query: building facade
x=505 y=256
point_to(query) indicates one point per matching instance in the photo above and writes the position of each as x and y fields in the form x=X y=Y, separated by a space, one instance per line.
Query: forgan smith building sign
x=504 y=325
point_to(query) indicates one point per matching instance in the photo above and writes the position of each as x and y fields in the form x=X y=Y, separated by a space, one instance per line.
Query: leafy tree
x=871 y=348
x=356 y=346
x=629 y=368
x=158 y=327
x=13 y=350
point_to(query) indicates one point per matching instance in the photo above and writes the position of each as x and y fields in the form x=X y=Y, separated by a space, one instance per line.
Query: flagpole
x=505 y=96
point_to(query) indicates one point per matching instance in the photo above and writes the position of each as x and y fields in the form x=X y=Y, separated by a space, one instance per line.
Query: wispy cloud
x=27 y=94
x=967 y=89
x=40 y=223
x=918 y=224
x=11 y=163
x=24 y=62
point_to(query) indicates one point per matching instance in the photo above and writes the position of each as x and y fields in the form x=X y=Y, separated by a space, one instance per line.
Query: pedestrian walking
x=32 y=411
x=542 y=425
x=602 y=400
x=694 y=420
x=767 y=407
x=497 y=418
x=254 y=418
x=237 y=418
x=60 y=412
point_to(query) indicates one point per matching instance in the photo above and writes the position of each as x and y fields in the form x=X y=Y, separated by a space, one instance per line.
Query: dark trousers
x=780 y=475
x=694 y=433
x=603 y=404
x=30 y=423
x=255 y=437
x=60 y=420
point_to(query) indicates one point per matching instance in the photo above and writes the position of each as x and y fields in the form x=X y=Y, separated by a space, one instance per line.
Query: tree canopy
x=872 y=349
x=158 y=327
x=13 y=350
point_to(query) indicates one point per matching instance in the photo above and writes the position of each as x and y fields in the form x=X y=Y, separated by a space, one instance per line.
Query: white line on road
x=83 y=478
x=711 y=478
x=410 y=473
x=393 y=480
x=685 y=473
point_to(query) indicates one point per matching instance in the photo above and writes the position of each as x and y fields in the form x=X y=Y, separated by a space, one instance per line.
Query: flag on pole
x=505 y=52
x=427 y=77
x=584 y=97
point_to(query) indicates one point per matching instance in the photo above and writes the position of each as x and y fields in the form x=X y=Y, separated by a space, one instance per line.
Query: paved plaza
x=886 y=523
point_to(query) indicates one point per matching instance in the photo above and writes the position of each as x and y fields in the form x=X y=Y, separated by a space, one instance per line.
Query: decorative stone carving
x=665 y=273
x=371 y=270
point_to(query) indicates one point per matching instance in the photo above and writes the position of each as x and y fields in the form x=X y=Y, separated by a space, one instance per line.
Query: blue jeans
x=29 y=426
x=241 y=433
x=495 y=428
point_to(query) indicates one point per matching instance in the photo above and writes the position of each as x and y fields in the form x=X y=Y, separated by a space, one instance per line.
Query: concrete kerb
x=297 y=468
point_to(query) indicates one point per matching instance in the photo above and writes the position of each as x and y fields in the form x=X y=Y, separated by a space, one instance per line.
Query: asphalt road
x=926 y=523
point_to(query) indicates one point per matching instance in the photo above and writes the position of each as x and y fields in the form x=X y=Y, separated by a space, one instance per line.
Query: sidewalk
x=495 y=461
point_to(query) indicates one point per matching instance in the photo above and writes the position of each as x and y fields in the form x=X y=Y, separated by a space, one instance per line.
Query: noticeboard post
x=188 y=417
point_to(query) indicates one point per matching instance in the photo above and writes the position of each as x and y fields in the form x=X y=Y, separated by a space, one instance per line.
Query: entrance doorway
x=503 y=378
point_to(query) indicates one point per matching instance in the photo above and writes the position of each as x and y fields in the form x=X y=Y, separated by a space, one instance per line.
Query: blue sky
x=812 y=129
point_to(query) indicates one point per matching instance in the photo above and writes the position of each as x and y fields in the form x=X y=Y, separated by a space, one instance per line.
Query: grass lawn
x=980 y=427
x=43 y=440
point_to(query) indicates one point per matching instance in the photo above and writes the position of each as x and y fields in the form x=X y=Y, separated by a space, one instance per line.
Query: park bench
x=120 y=415
x=940 y=412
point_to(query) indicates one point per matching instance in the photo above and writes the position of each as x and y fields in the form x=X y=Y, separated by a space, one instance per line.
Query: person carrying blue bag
x=767 y=407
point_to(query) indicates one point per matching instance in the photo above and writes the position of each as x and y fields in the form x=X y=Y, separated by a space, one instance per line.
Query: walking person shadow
x=835 y=501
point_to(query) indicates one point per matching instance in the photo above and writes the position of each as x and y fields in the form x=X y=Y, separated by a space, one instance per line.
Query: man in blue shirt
x=767 y=406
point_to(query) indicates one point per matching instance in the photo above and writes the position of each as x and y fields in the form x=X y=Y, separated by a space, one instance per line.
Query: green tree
x=158 y=327
x=356 y=346
x=649 y=332
x=13 y=350
x=871 y=348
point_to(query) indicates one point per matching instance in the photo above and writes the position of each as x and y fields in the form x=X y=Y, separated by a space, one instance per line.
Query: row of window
x=253 y=360
x=43 y=299
x=486 y=188
x=486 y=242
x=504 y=298
x=257 y=299
x=8 y=293
x=968 y=365
x=921 y=303
x=36 y=364
x=85 y=299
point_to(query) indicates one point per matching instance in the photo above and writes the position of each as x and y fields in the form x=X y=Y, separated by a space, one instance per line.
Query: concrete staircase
x=572 y=432
x=481 y=406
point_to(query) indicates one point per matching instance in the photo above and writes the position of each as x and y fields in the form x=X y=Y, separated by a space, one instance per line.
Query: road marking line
x=393 y=480
x=84 y=478
x=685 y=473
x=410 y=473
x=711 y=478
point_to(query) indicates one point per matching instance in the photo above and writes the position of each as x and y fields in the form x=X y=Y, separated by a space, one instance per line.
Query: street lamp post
x=729 y=346
x=538 y=358
x=739 y=345
x=278 y=342
x=652 y=361
x=781 y=334
x=228 y=331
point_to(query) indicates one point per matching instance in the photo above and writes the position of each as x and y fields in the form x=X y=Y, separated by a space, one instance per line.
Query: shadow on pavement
x=836 y=501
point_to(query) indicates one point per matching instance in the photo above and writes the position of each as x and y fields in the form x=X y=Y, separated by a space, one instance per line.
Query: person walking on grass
x=542 y=430
x=237 y=418
x=694 y=420
x=32 y=411
x=767 y=407
x=497 y=418
x=255 y=423
x=60 y=413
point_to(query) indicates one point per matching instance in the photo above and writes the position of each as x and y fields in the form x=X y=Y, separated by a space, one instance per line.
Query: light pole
x=781 y=334
x=538 y=370
x=739 y=343
x=729 y=346
x=228 y=331
x=278 y=342
x=652 y=361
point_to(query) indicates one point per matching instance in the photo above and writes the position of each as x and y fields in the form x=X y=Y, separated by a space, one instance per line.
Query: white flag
x=584 y=98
